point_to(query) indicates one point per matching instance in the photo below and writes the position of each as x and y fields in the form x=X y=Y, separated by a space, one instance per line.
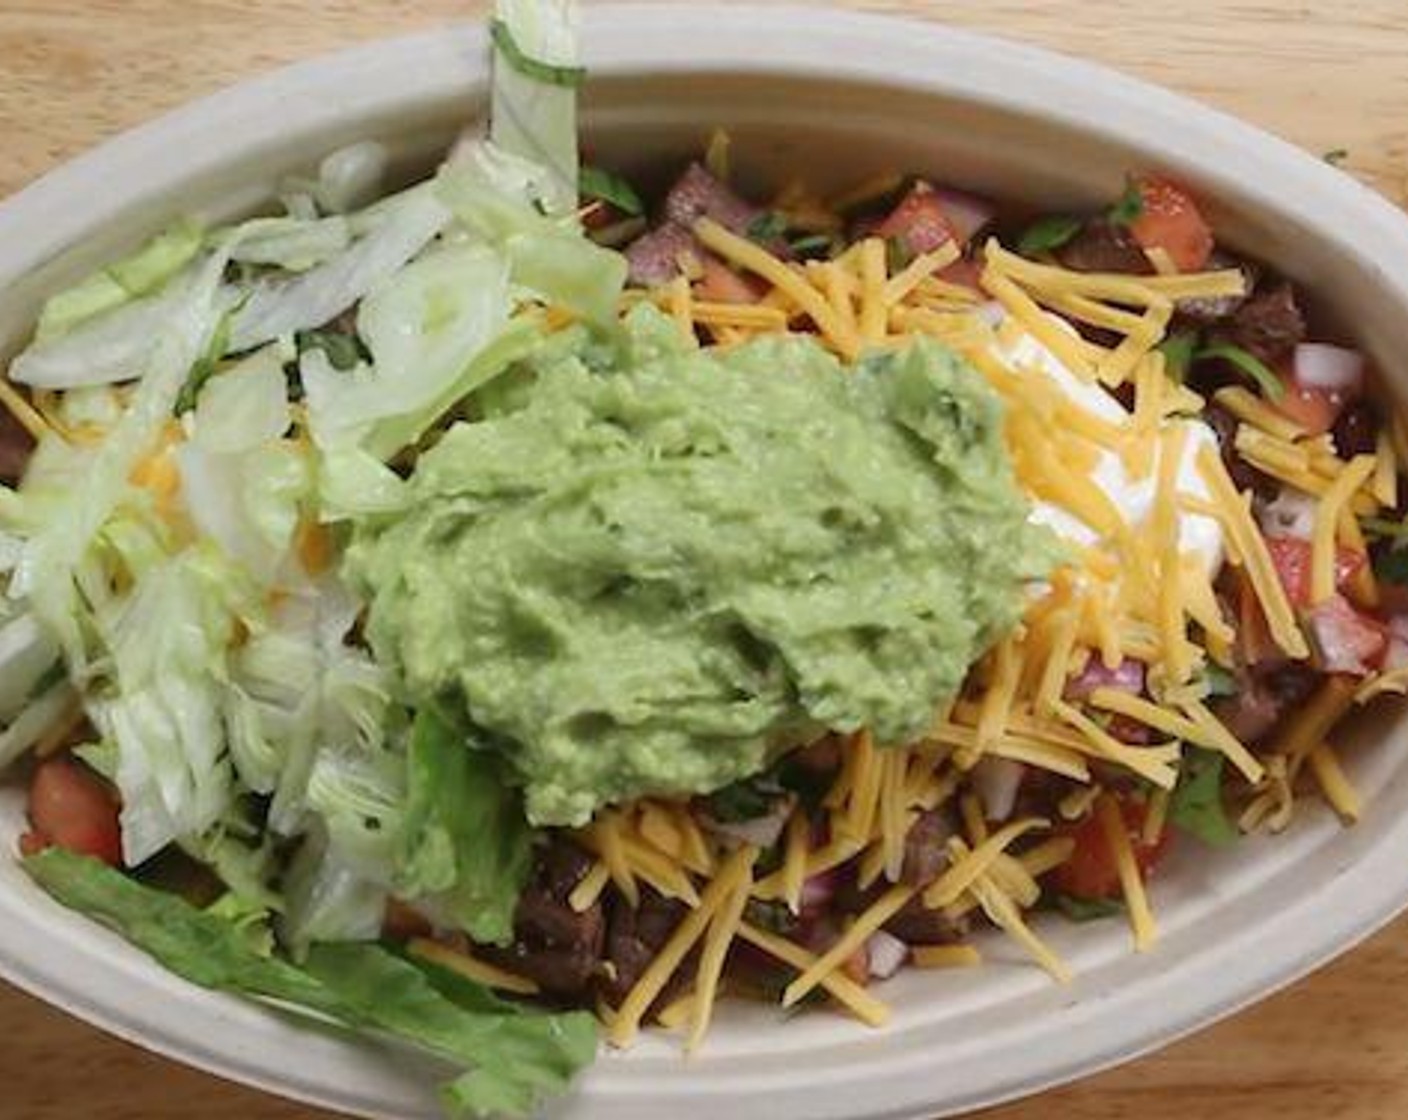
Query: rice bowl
x=1211 y=908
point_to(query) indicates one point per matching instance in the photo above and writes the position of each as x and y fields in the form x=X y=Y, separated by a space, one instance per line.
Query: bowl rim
x=56 y=211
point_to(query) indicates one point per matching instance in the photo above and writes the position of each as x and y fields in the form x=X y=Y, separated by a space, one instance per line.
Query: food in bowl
x=418 y=632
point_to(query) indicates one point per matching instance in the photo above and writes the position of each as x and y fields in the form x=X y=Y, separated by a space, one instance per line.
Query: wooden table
x=1326 y=74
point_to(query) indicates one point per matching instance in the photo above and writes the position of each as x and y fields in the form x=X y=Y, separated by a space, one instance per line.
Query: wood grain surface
x=1326 y=74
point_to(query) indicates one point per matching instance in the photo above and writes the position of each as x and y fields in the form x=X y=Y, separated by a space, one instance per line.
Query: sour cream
x=1134 y=497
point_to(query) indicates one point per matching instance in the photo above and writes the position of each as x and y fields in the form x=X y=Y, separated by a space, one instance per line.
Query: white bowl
x=834 y=95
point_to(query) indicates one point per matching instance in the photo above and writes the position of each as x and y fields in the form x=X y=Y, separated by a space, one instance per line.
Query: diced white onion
x=997 y=780
x=1291 y=514
x=885 y=954
x=1318 y=365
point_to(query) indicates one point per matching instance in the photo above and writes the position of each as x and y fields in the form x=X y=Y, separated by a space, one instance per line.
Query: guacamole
x=646 y=568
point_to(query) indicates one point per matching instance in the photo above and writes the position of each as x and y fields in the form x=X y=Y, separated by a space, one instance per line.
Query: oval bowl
x=830 y=95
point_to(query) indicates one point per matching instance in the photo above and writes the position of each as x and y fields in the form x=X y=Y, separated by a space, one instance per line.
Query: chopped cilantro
x=1130 y=206
x=743 y=801
x=344 y=351
x=603 y=185
x=1220 y=682
x=1048 y=233
x=1087 y=909
x=1178 y=350
x=812 y=243
x=1267 y=381
x=1196 y=806
x=768 y=226
x=1391 y=566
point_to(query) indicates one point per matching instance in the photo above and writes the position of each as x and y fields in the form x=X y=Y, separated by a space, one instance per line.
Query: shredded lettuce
x=487 y=188
x=518 y=1057
x=516 y=341
x=247 y=918
x=354 y=483
x=27 y=656
x=302 y=691
x=360 y=797
x=246 y=405
x=140 y=274
x=47 y=571
x=241 y=855
x=466 y=843
x=327 y=900
x=424 y=328
x=404 y=226
x=534 y=98
x=244 y=485
x=169 y=651
x=34 y=721
x=101 y=350
x=293 y=245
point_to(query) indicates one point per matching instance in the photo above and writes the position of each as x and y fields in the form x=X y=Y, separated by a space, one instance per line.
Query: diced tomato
x=1346 y=640
x=72 y=808
x=918 y=223
x=720 y=284
x=1315 y=410
x=1091 y=872
x=1170 y=220
x=1290 y=556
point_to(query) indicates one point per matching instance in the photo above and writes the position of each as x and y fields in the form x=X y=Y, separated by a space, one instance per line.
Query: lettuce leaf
x=518 y=1057
x=168 y=647
x=465 y=841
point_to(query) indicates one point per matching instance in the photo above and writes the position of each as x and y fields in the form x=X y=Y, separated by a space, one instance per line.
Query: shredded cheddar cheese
x=972 y=864
x=886 y=907
x=481 y=972
x=1251 y=548
x=585 y=894
x=722 y=931
x=1333 y=782
x=736 y=871
x=856 y=999
x=1141 y=920
x=946 y=956
x=1327 y=520
x=758 y=260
